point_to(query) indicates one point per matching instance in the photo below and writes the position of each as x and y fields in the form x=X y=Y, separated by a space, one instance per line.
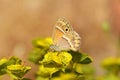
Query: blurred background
x=96 y=21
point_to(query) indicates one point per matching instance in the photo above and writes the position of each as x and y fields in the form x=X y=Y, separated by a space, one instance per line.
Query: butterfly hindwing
x=63 y=44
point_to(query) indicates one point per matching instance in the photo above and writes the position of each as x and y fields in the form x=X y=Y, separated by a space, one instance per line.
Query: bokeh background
x=21 y=21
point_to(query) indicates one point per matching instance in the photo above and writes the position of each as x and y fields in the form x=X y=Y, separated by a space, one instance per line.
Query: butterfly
x=64 y=37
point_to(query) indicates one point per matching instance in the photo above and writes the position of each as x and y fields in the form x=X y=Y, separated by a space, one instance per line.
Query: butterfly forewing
x=64 y=25
x=56 y=35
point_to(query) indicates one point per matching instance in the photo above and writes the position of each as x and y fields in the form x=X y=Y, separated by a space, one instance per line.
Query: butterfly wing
x=63 y=44
x=64 y=37
x=59 y=42
x=75 y=41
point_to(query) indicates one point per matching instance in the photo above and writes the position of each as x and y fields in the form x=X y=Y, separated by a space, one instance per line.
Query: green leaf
x=112 y=64
x=69 y=76
x=36 y=55
x=41 y=46
x=13 y=67
x=80 y=57
x=85 y=59
x=42 y=42
x=46 y=71
x=59 y=58
x=14 y=60
x=17 y=71
x=48 y=58
x=4 y=63
x=42 y=78
x=109 y=77
x=3 y=66
x=63 y=58
x=78 y=68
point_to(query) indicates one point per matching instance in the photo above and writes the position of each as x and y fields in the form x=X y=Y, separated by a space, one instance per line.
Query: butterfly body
x=64 y=37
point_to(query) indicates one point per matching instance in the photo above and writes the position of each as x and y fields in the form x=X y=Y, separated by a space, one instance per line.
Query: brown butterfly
x=64 y=37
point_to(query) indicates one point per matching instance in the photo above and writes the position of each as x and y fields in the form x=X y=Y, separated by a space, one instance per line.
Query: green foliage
x=109 y=77
x=41 y=46
x=106 y=26
x=3 y=66
x=80 y=57
x=13 y=67
x=59 y=58
x=43 y=43
x=89 y=72
x=112 y=67
x=63 y=65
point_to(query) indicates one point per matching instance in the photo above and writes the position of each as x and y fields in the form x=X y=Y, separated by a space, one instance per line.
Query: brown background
x=23 y=20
